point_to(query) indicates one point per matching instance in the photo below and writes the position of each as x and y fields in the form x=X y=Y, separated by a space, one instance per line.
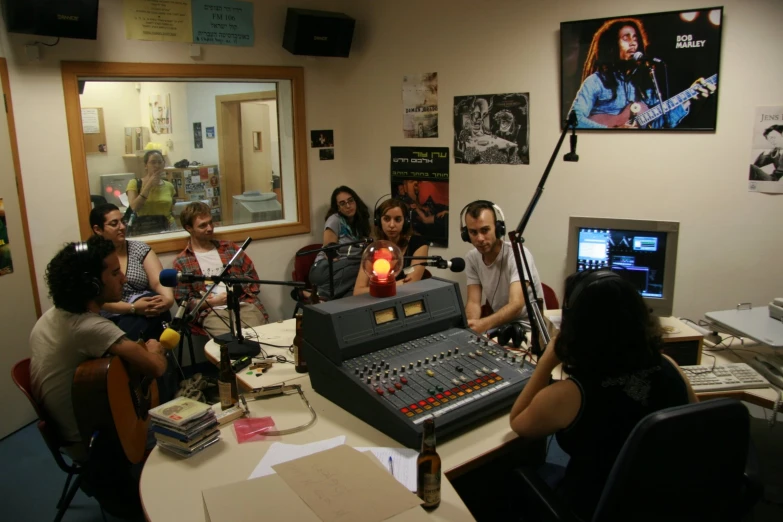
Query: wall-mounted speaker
x=62 y=18
x=318 y=33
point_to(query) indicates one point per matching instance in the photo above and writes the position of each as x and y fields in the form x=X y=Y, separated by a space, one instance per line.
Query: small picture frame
x=257 y=141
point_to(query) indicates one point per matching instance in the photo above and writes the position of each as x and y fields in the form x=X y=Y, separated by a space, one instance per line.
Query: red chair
x=301 y=273
x=550 y=298
x=20 y=374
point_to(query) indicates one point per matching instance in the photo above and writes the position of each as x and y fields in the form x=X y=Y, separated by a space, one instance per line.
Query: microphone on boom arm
x=455 y=264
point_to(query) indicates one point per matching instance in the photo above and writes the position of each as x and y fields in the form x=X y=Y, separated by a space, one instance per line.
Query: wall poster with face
x=615 y=71
x=766 y=155
x=420 y=178
x=492 y=129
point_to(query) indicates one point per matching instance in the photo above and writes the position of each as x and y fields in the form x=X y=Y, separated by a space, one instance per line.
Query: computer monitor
x=642 y=252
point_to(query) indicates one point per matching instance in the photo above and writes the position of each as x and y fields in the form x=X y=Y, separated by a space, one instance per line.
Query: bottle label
x=226 y=401
x=296 y=355
x=430 y=488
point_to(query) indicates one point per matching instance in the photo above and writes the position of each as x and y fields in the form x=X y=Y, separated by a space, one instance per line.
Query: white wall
x=119 y=101
x=256 y=165
x=729 y=243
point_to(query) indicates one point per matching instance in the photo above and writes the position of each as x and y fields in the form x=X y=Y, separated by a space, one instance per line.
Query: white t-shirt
x=211 y=265
x=59 y=343
x=496 y=278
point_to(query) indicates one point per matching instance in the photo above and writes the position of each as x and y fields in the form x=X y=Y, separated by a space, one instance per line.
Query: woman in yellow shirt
x=154 y=203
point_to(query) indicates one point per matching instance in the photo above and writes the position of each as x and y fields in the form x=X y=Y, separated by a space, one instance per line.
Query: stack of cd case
x=184 y=426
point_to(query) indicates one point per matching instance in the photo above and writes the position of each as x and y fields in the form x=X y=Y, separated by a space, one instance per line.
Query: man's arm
x=583 y=104
x=764 y=159
x=149 y=358
x=512 y=309
x=473 y=306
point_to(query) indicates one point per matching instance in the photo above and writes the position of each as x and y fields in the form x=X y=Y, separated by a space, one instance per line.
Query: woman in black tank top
x=610 y=347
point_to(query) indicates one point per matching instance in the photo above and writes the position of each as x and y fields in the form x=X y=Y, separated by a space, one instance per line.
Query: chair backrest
x=20 y=374
x=550 y=298
x=681 y=463
x=302 y=264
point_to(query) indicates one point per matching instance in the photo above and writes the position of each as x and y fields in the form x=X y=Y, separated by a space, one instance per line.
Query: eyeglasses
x=343 y=204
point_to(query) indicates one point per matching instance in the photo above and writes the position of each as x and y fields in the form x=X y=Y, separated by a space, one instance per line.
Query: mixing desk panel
x=396 y=377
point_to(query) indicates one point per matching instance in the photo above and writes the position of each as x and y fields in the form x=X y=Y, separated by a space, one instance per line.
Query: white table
x=750 y=322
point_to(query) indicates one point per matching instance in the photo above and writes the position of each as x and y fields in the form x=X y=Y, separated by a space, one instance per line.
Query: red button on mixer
x=379 y=391
x=412 y=406
x=398 y=385
x=447 y=393
x=404 y=380
x=404 y=410
x=422 y=403
x=439 y=396
x=430 y=399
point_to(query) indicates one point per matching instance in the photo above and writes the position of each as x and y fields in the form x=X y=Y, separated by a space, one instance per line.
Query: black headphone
x=513 y=332
x=94 y=284
x=500 y=222
x=406 y=218
x=584 y=279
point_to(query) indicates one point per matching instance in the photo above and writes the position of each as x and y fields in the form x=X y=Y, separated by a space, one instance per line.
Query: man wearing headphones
x=492 y=273
x=81 y=278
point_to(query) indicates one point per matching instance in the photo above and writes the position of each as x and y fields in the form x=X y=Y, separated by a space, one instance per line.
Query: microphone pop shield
x=457 y=264
x=168 y=277
x=169 y=339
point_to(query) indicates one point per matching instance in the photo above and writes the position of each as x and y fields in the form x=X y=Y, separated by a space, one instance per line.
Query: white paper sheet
x=403 y=463
x=279 y=452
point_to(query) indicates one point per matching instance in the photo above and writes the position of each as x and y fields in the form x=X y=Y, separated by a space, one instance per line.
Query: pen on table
x=391 y=466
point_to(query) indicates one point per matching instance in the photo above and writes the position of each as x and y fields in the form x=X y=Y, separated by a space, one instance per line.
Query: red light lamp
x=382 y=261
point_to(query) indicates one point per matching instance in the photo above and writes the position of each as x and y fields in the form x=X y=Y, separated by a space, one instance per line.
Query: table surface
x=751 y=322
x=171 y=487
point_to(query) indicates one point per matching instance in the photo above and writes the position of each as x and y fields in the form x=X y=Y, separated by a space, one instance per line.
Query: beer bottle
x=227 y=381
x=428 y=464
x=300 y=364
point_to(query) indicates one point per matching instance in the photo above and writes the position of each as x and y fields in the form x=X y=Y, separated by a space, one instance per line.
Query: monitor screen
x=641 y=252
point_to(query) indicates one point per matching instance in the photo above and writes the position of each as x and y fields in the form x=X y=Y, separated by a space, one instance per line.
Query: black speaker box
x=62 y=18
x=318 y=33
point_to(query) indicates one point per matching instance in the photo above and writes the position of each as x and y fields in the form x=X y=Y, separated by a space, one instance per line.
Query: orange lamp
x=382 y=261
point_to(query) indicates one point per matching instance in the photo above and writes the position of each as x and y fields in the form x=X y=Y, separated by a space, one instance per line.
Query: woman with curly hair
x=393 y=223
x=347 y=220
x=610 y=347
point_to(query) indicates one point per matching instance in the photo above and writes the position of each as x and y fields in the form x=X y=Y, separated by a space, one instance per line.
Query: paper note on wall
x=158 y=20
x=90 y=122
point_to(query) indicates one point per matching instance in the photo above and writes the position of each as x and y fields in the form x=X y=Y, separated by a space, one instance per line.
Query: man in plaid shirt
x=206 y=256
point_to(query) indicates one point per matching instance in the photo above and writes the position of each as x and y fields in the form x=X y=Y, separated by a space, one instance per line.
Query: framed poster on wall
x=616 y=71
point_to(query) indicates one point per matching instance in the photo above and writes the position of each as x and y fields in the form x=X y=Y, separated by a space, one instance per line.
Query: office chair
x=687 y=463
x=550 y=298
x=20 y=373
x=301 y=273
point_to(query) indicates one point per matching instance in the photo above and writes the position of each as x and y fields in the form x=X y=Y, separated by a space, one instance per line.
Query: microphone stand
x=331 y=254
x=537 y=328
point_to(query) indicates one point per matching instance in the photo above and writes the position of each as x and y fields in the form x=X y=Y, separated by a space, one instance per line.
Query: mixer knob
x=439 y=388
x=377 y=376
x=456 y=350
x=365 y=367
x=486 y=342
x=426 y=360
x=418 y=363
x=505 y=354
x=404 y=380
x=513 y=359
x=386 y=373
x=394 y=372
x=430 y=373
x=441 y=355
x=471 y=355
x=479 y=352
x=361 y=376
x=402 y=368
x=410 y=365
x=458 y=368
x=356 y=371
x=387 y=366
x=383 y=362
x=463 y=378
x=479 y=372
x=373 y=366
x=368 y=379
x=379 y=391
x=448 y=353
x=456 y=381
x=485 y=369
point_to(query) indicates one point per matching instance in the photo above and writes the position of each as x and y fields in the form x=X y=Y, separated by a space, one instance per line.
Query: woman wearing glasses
x=154 y=202
x=145 y=302
x=347 y=220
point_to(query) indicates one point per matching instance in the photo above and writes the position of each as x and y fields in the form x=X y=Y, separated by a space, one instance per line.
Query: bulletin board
x=93 y=130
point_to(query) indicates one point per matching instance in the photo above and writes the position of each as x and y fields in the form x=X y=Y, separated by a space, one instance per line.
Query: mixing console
x=395 y=378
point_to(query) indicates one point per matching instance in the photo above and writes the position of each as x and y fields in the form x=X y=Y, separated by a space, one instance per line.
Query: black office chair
x=687 y=463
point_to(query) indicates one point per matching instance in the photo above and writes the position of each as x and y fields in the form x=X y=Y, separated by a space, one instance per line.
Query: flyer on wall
x=766 y=155
x=492 y=129
x=6 y=265
x=420 y=105
x=420 y=178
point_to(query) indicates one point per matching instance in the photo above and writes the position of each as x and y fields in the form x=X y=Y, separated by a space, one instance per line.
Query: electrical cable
x=48 y=45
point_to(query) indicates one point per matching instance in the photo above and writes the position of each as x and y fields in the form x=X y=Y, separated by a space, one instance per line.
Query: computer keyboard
x=736 y=376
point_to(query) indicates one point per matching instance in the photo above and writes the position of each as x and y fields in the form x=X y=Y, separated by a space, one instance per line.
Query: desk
x=750 y=322
x=171 y=487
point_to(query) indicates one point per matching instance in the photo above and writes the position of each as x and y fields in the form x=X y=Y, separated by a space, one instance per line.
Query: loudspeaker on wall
x=318 y=33
x=61 y=18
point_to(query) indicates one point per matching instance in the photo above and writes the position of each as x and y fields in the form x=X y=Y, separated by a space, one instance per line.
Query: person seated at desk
x=347 y=220
x=83 y=277
x=154 y=201
x=145 y=303
x=492 y=272
x=392 y=223
x=610 y=347
x=205 y=255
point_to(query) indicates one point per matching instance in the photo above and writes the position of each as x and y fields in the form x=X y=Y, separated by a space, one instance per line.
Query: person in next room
x=610 y=348
x=493 y=280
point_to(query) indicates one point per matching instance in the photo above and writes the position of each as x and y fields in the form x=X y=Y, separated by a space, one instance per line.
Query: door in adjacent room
x=19 y=306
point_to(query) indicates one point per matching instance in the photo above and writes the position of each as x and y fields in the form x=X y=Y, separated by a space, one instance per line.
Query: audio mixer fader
x=394 y=362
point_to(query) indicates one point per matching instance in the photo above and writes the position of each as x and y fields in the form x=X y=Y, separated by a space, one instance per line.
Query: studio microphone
x=455 y=264
x=171 y=278
x=639 y=57
x=572 y=156
x=179 y=317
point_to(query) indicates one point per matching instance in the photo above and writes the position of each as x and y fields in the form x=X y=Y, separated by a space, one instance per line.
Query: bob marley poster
x=420 y=178
x=654 y=71
x=492 y=129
